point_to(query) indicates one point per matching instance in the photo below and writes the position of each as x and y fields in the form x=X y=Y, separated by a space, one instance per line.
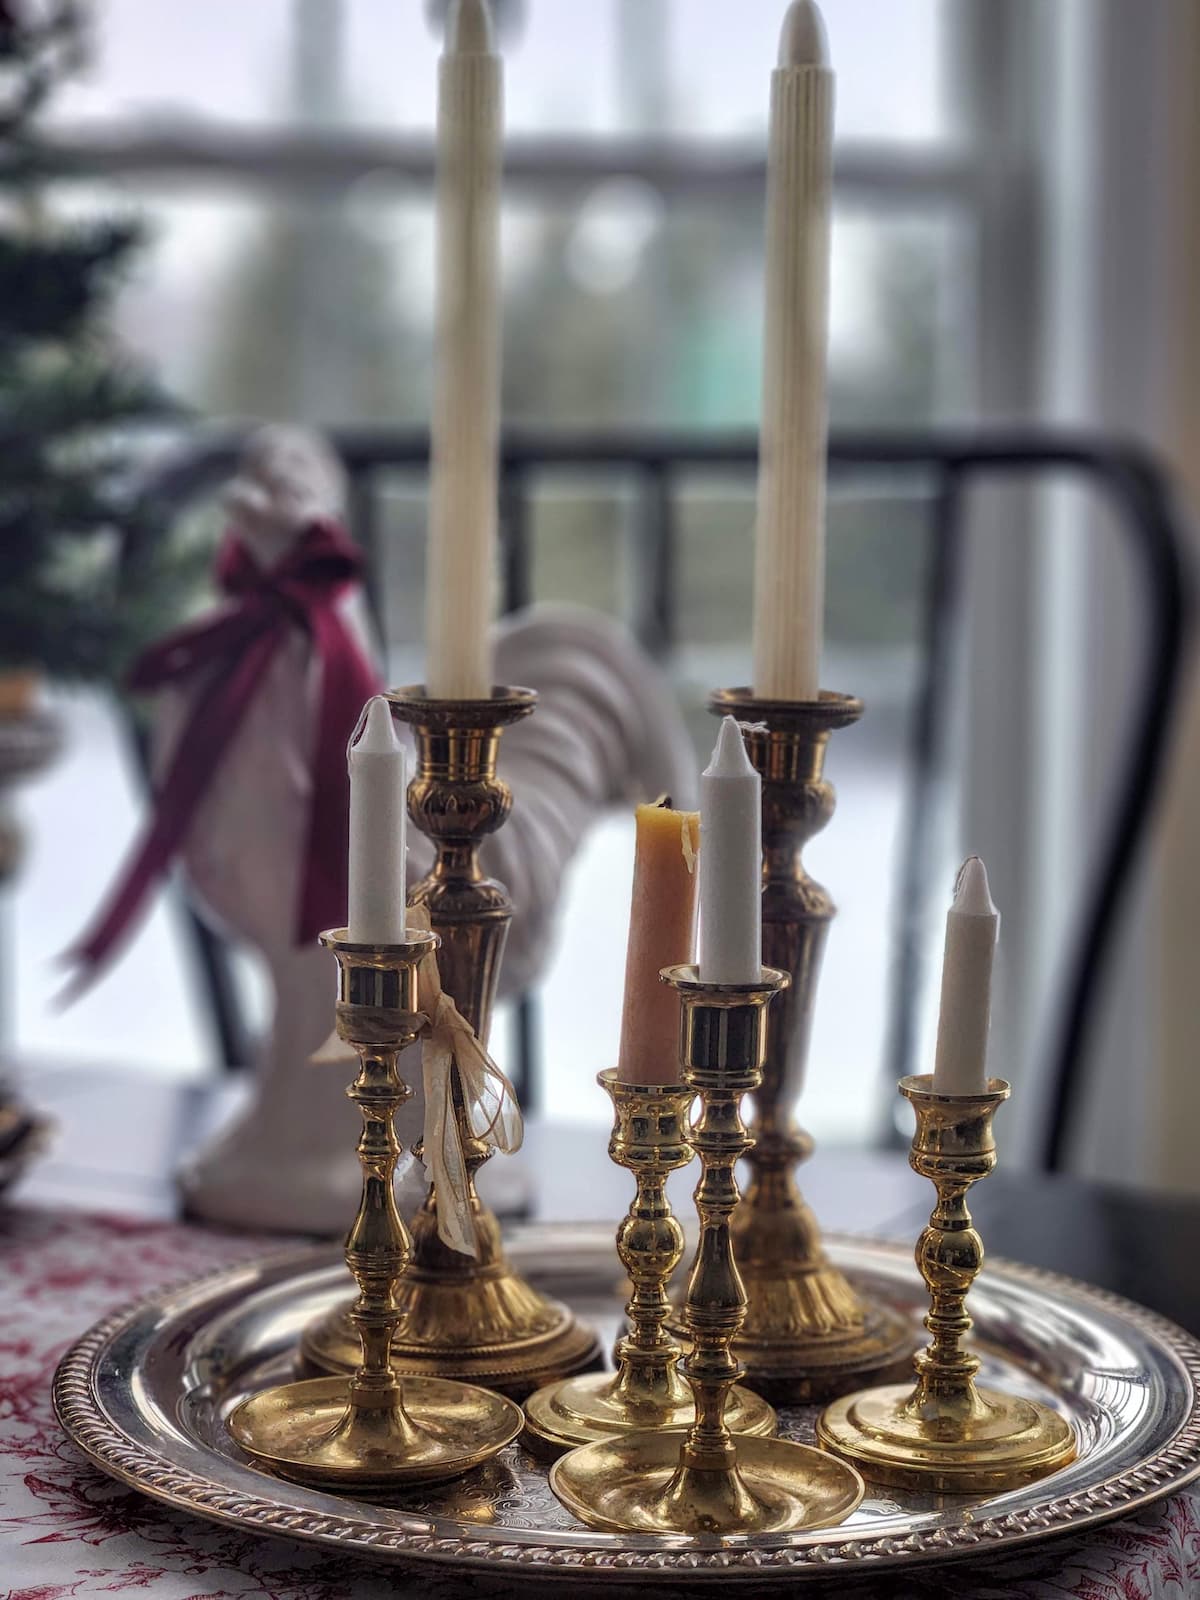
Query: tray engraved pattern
x=145 y=1392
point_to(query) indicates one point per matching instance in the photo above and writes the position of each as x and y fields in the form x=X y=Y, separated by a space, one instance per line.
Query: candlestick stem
x=947 y=1434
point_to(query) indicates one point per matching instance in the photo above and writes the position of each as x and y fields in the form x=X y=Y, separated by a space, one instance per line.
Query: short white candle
x=378 y=789
x=730 y=863
x=972 y=924
x=789 y=574
x=466 y=404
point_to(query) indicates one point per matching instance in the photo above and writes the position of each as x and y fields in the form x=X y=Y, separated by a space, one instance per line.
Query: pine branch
x=85 y=581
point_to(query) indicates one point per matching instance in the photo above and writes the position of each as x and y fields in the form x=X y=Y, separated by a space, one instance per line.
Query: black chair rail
x=947 y=464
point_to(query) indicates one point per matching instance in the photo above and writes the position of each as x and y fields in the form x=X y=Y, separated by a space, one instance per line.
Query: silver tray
x=144 y=1394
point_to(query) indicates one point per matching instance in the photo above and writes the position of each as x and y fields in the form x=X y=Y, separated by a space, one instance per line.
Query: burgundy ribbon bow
x=302 y=590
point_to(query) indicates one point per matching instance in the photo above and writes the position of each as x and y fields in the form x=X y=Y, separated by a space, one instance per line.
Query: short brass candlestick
x=466 y=1317
x=808 y=1333
x=651 y=1139
x=372 y=1430
x=706 y=1480
x=947 y=1434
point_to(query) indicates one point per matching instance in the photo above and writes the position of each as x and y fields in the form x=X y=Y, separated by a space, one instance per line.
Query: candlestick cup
x=469 y=1317
x=705 y=1479
x=947 y=1435
x=808 y=1334
x=374 y=1429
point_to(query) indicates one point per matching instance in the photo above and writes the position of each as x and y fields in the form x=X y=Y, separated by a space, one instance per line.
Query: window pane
x=699 y=68
x=83 y=816
x=618 y=310
x=888 y=60
x=224 y=60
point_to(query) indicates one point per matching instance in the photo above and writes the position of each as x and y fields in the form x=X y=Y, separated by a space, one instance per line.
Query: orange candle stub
x=660 y=935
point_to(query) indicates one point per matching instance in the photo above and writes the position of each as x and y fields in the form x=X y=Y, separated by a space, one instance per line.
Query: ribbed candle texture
x=789 y=578
x=730 y=863
x=972 y=924
x=378 y=789
x=466 y=403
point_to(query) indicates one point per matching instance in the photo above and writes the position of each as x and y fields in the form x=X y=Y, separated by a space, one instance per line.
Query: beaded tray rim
x=583 y=1555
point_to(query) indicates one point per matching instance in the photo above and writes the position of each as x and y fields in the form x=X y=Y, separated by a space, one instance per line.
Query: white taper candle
x=730 y=863
x=972 y=924
x=378 y=790
x=789 y=575
x=466 y=403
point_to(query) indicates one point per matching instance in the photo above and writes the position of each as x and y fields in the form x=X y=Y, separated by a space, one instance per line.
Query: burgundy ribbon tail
x=203 y=741
x=347 y=682
x=238 y=648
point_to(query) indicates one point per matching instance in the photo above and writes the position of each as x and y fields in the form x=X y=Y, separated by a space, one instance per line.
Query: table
x=67 y=1531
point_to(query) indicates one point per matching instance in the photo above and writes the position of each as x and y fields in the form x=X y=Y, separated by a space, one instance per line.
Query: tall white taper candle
x=730 y=863
x=378 y=787
x=466 y=401
x=789 y=574
x=972 y=924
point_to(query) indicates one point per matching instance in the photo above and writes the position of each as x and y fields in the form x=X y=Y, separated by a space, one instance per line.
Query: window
x=281 y=155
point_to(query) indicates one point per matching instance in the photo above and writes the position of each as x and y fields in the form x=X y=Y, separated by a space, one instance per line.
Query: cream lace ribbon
x=489 y=1101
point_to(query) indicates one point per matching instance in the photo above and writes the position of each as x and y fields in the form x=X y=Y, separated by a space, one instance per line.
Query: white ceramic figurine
x=607 y=729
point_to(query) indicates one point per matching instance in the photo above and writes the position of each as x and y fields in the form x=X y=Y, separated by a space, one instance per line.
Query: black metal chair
x=946 y=465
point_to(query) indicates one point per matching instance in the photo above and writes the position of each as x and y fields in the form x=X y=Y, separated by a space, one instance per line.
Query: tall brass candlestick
x=808 y=1334
x=705 y=1479
x=948 y=1435
x=470 y=1317
x=373 y=1429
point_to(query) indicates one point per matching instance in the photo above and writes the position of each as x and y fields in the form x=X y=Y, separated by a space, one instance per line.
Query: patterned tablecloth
x=68 y=1531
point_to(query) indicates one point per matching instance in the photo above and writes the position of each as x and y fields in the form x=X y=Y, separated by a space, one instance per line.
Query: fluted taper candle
x=789 y=582
x=466 y=404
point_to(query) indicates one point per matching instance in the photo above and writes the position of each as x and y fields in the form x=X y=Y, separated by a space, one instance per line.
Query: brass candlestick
x=706 y=1480
x=947 y=1434
x=463 y=1316
x=808 y=1334
x=650 y=1138
x=372 y=1430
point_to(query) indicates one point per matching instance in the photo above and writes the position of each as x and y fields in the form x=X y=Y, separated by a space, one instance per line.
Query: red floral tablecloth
x=68 y=1531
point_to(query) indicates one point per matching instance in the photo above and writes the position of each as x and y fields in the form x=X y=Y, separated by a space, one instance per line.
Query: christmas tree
x=86 y=578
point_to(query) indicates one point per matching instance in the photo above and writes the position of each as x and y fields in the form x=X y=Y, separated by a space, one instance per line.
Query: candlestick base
x=997 y=1442
x=808 y=1333
x=638 y=1484
x=946 y=1435
x=472 y=1318
x=313 y=1433
x=597 y=1405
